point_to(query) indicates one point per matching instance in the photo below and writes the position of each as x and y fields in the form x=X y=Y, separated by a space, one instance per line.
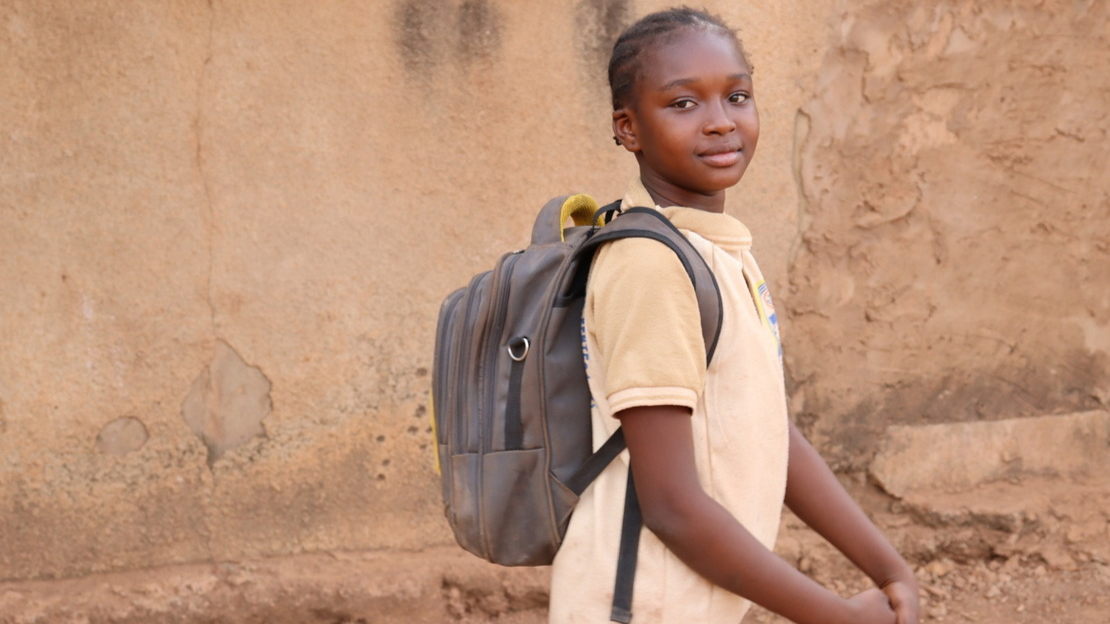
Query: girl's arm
x=815 y=495
x=711 y=541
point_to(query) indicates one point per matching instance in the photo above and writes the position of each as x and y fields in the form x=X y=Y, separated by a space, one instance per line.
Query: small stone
x=939 y=592
x=937 y=568
x=1056 y=556
x=895 y=522
x=1076 y=534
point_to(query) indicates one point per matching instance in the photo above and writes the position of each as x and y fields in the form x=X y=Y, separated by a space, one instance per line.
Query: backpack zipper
x=466 y=343
x=442 y=394
x=502 y=275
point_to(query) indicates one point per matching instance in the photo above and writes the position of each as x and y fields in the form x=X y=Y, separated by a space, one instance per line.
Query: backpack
x=511 y=400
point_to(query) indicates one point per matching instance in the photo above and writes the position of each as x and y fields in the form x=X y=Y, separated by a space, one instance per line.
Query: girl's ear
x=624 y=130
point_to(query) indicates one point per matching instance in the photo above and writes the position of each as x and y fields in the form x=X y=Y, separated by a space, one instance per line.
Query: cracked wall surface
x=954 y=255
x=225 y=232
x=300 y=184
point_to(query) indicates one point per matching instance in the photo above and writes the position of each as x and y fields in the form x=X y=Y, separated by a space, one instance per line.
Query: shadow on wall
x=431 y=33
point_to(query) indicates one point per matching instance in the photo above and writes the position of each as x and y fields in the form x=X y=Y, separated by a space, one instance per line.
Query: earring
x=616 y=140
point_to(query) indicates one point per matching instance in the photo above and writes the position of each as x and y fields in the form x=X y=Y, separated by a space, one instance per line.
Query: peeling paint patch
x=122 y=436
x=227 y=402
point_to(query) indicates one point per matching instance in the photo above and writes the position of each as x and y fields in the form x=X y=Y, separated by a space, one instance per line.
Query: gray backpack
x=510 y=396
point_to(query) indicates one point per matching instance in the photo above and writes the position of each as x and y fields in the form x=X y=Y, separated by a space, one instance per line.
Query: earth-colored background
x=226 y=227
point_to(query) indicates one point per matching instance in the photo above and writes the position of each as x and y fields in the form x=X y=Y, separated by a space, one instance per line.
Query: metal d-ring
x=521 y=340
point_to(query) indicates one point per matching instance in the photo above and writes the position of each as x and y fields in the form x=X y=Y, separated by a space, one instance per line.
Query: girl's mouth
x=722 y=158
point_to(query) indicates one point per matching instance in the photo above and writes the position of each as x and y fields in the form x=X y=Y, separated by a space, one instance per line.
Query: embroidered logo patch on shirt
x=767 y=311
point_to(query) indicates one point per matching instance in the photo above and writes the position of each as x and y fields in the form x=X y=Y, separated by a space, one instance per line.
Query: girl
x=711 y=450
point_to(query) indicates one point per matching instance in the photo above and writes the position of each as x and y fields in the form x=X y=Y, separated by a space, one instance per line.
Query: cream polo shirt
x=643 y=344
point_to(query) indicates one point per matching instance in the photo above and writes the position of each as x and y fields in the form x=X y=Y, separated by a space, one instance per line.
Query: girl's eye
x=683 y=104
x=738 y=98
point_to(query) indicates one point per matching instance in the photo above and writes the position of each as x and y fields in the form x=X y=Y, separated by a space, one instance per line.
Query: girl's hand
x=905 y=600
x=871 y=607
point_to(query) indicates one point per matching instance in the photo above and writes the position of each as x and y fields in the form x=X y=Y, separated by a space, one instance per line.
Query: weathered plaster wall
x=225 y=230
x=954 y=262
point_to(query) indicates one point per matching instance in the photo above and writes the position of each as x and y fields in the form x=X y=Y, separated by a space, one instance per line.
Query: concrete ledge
x=959 y=456
x=430 y=587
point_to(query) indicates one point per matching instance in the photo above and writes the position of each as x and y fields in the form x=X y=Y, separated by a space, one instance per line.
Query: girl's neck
x=666 y=195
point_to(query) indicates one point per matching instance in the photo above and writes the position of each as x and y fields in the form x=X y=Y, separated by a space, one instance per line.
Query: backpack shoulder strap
x=642 y=223
x=648 y=223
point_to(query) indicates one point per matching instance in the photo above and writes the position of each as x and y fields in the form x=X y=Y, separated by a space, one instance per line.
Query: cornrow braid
x=626 y=62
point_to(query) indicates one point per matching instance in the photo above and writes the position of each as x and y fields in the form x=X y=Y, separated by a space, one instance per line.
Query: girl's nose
x=718 y=120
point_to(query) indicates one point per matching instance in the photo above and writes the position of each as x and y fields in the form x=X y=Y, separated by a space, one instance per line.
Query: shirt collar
x=723 y=230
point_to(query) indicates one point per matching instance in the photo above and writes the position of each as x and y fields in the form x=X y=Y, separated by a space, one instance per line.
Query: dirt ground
x=1032 y=551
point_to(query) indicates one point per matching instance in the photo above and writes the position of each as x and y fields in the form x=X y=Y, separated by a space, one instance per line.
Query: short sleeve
x=642 y=315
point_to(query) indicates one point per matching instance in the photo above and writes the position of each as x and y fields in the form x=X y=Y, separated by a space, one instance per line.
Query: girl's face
x=692 y=120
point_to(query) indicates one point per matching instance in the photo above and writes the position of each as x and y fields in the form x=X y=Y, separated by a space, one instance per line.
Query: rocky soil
x=1031 y=550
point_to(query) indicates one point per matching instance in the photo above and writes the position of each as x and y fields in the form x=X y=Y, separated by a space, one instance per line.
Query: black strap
x=607 y=213
x=710 y=302
x=711 y=330
x=514 y=424
x=632 y=522
x=631 y=526
x=594 y=464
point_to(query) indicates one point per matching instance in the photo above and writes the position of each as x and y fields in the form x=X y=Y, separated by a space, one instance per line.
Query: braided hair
x=626 y=62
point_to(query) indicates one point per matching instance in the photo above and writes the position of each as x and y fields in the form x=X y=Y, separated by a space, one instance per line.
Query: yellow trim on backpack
x=581 y=208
